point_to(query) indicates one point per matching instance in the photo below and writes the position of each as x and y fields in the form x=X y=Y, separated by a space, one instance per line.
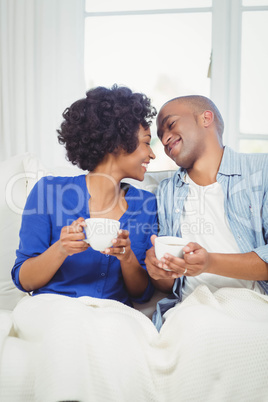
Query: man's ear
x=208 y=118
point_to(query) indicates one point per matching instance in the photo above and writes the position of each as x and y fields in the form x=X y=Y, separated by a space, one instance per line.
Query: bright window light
x=164 y=56
x=254 y=77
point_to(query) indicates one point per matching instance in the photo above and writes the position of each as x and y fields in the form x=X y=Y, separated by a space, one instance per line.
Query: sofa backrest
x=17 y=178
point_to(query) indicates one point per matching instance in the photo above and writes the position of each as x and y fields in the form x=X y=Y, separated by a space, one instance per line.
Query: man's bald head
x=199 y=104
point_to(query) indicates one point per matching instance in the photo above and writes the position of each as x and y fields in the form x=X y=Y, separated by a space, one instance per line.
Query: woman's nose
x=152 y=155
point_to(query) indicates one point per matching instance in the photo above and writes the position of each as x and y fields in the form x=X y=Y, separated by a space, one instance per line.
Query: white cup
x=169 y=244
x=100 y=232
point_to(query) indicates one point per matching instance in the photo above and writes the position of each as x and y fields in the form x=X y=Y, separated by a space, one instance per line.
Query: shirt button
x=107 y=255
x=177 y=210
x=102 y=274
x=239 y=237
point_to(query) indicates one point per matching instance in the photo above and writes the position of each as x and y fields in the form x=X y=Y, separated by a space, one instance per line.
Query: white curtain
x=41 y=73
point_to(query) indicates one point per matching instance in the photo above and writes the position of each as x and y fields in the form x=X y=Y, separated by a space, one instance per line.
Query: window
x=239 y=84
x=164 y=49
x=254 y=79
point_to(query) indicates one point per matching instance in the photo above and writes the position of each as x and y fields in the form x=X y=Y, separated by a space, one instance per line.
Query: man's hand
x=163 y=280
x=195 y=261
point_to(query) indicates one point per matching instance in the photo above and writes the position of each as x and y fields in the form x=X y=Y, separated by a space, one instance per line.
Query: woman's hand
x=38 y=271
x=71 y=238
x=121 y=246
x=135 y=277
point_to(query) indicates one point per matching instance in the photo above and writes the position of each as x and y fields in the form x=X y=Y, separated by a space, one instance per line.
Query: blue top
x=55 y=202
x=244 y=181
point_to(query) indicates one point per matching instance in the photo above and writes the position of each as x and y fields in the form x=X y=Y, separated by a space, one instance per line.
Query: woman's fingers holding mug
x=122 y=234
x=121 y=245
x=77 y=225
x=71 y=237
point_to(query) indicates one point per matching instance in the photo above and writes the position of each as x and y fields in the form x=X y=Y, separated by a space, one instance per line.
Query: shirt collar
x=180 y=176
x=230 y=163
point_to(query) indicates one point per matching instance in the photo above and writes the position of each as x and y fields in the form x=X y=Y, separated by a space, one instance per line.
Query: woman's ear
x=208 y=118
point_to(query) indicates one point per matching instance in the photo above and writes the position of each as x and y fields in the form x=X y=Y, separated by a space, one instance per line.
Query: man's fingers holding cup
x=174 y=264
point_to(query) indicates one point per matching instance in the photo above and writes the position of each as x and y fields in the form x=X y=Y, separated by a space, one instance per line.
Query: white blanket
x=212 y=347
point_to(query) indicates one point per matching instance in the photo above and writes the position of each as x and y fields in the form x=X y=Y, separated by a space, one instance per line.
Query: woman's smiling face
x=181 y=133
x=135 y=165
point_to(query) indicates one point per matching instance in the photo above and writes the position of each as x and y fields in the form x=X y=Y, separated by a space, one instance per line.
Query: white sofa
x=184 y=365
x=18 y=175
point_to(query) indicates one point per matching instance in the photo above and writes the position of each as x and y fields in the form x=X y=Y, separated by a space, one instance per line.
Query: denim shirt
x=244 y=181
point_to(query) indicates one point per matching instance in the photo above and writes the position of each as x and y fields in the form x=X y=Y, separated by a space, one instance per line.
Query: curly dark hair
x=106 y=121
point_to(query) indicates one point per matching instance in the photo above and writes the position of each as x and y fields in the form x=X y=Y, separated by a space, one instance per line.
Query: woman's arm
x=135 y=277
x=38 y=271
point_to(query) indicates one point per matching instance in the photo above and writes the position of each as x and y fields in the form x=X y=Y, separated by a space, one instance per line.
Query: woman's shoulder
x=50 y=182
x=47 y=184
x=61 y=179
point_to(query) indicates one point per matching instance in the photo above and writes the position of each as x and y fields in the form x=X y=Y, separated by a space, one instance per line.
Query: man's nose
x=166 y=138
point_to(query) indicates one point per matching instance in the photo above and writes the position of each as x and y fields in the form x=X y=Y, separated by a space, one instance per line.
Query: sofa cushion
x=34 y=170
x=12 y=201
x=151 y=180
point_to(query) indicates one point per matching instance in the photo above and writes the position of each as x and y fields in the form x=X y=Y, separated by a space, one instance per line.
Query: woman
x=83 y=342
x=108 y=134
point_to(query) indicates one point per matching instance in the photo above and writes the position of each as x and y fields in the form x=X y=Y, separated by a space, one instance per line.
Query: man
x=217 y=200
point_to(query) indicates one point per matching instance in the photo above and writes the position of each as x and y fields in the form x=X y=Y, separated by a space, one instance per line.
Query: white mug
x=100 y=232
x=169 y=244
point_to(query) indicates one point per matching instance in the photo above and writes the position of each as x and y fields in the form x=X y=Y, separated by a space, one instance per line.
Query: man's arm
x=247 y=266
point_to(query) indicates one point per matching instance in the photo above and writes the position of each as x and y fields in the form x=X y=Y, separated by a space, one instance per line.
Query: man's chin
x=177 y=160
x=181 y=163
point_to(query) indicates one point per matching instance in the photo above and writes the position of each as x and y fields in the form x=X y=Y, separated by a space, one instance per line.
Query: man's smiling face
x=181 y=132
